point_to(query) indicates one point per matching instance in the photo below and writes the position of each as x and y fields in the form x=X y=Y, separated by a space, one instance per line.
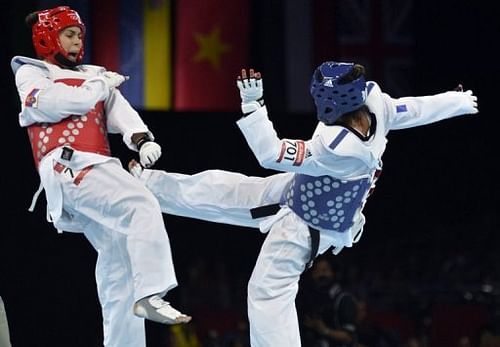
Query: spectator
x=329 y=314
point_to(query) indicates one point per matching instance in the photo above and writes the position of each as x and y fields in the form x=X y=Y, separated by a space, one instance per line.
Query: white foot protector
x=158 y=310
x=135 y=168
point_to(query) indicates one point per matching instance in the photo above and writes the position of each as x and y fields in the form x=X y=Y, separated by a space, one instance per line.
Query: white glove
x=113 y=79
x=251 y=91
x=149 y=153
x=473 y=101
x=135 y=168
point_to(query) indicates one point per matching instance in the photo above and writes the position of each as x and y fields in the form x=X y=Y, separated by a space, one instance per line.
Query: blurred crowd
x=441 y=289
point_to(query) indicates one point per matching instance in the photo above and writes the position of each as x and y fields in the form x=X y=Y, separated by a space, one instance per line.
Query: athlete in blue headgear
x=335 y=172
x=321 y=195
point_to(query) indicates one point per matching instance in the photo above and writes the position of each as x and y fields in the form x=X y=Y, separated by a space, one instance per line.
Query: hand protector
x=149 y=153
x=113 y=79
x=251 y=91
x=472 y=101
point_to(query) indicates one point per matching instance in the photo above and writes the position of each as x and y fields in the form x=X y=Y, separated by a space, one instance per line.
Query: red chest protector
x=86 y=133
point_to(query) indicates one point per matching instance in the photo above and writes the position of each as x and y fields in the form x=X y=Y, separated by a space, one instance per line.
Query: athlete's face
x=71 y=39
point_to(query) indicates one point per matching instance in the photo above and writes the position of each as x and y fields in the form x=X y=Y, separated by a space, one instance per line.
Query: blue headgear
x=334 y=97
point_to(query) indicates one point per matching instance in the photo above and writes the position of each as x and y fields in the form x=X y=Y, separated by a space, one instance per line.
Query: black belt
x=269 y=210
x=264 y=211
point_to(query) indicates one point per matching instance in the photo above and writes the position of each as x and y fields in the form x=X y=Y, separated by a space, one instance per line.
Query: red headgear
x=46 y=34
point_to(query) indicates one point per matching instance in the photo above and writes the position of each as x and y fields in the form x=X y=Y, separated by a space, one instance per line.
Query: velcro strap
x=142 y=141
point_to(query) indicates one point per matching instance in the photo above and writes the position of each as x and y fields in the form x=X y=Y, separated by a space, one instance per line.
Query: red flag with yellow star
x=212 y=39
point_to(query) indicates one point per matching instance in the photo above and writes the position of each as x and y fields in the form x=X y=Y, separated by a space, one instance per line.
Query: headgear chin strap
x=333 y=95
x=46 y=35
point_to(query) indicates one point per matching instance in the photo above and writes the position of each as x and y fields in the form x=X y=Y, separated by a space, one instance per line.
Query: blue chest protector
x=325 y=202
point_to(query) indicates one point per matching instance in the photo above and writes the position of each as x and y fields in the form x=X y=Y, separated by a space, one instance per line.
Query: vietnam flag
x=212 y=38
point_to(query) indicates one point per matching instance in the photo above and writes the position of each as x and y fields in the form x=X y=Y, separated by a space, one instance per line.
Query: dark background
x=435 y=204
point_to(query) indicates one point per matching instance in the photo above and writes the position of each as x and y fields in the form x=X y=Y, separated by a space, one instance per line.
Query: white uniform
x=329 y=179
x=215 y=195
x=4 y=327
x=337 y=156
x=90 y=192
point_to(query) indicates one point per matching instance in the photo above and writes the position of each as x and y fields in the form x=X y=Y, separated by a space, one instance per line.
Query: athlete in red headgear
x=46 y=36
x=68 y=109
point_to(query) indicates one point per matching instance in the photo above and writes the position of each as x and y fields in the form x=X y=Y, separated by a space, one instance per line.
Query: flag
x=309 y=38
x=299 y=55
x=133 y=38
x=157 y=55
x=104 y=35
x=380 y=35
x=212 y=39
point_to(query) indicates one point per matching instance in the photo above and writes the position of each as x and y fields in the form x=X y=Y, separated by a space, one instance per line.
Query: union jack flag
x=376 y=33
x=380 y=35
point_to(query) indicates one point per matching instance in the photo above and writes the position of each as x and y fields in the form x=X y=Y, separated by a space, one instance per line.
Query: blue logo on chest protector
x=325 y=202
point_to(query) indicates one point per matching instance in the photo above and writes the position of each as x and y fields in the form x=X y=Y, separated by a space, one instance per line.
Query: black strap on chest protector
x=314 y=245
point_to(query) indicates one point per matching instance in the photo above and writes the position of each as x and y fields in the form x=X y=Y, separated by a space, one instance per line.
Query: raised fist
x=149 y=153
